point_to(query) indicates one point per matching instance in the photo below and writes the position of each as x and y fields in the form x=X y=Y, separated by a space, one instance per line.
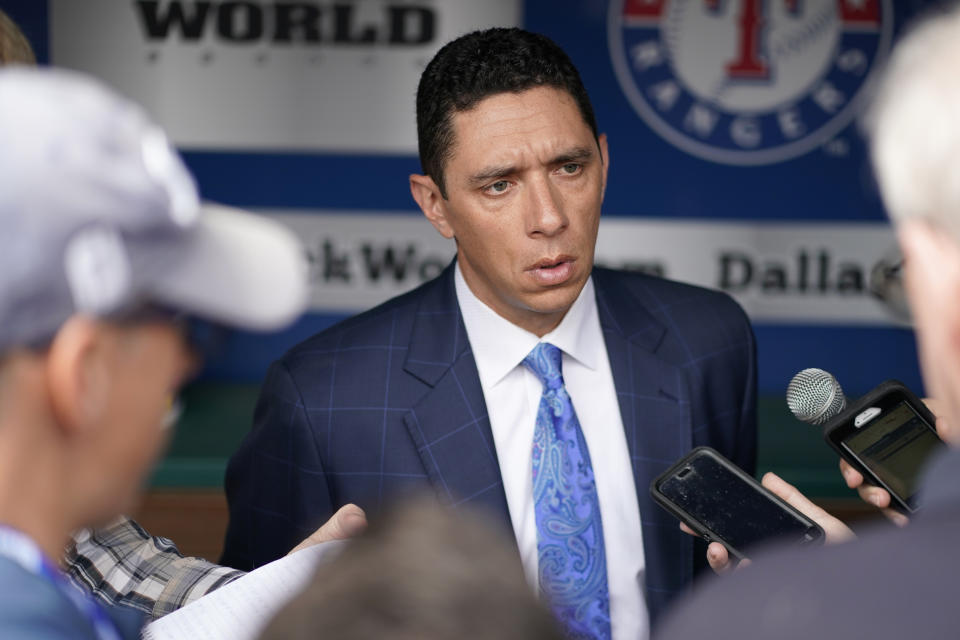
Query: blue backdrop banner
x=736 y=157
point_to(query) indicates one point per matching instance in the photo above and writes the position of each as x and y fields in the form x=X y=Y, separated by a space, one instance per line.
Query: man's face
x=147 y=365
x=525 y=184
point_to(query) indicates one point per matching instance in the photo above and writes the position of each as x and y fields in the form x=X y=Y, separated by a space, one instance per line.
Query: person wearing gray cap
x=106 y=258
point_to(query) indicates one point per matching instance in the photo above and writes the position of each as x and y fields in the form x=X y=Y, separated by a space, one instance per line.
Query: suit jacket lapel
x=451 y=430
x=655 y=408
x=449 y=425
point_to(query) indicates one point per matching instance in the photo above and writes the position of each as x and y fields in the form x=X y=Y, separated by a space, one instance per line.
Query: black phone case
x=833 y=428
x=702 y=530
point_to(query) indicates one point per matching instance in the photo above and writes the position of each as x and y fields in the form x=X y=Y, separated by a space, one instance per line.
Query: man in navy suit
x=429 y=388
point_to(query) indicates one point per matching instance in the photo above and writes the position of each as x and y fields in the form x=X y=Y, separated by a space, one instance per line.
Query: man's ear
x=434 y=206
x=78 y=374
x=605 y=156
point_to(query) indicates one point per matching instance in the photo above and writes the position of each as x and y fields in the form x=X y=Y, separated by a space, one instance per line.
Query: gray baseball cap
x=98 y=215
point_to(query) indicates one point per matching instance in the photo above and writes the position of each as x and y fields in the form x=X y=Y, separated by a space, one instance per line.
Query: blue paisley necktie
x=572 y=564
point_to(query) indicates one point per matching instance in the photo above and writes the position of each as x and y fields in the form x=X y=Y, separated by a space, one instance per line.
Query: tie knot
x=544 y=361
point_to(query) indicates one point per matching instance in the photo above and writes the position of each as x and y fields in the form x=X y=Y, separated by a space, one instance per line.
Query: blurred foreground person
x=420 y=573
x=106 y=259
x=121 y=563
x=896 y=583
x=14 y=46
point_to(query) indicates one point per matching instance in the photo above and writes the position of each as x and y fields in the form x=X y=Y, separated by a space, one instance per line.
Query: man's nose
x=545 y=206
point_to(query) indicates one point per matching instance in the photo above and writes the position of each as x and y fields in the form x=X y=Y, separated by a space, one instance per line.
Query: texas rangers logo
x=747 y=82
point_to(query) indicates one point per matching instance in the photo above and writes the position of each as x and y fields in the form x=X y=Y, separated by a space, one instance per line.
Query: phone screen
x=736 y=512
x=895 y=446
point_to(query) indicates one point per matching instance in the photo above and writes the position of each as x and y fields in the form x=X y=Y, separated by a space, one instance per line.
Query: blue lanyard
x=22 y=550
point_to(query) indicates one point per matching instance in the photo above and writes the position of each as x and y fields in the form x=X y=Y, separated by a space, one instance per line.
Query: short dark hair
x=420 y=573
x=481 y=64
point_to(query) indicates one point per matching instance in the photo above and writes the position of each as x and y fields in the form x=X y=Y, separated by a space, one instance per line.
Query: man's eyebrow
x=576 y=154
x=491 y=172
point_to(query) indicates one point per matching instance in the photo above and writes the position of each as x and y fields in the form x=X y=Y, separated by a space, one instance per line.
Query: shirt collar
x=499 y=346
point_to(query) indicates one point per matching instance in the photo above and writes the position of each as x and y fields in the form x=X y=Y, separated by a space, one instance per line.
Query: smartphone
x=722 y=503
x=888 y=435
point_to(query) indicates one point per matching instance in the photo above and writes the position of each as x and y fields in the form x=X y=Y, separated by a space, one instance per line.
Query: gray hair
x=914 y=125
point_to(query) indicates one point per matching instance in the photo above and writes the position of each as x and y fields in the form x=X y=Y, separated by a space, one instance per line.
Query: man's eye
x=498 y=187
x=571 y=168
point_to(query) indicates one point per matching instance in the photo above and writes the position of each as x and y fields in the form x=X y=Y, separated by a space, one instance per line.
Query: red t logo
x=750 y=63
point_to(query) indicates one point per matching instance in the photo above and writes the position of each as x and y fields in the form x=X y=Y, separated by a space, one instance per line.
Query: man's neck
x=33 y=504
x=537 y=323
x=35 y=482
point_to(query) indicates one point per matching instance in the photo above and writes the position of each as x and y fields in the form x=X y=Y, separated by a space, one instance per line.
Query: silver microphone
x=815 y=396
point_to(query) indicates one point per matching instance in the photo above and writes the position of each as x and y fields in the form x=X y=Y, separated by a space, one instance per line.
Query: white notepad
x=240 y=610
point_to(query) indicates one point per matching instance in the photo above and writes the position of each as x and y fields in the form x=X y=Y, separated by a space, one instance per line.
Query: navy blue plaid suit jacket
x=390 y=400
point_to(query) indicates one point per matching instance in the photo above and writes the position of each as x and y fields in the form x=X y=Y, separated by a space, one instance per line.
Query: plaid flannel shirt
x=124 y=565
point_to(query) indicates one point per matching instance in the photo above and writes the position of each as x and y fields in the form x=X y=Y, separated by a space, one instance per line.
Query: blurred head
x=420 y=573
x=515 y=171
x=103 y=389
x=915 y=136
x=107 y=259
x=14 y=46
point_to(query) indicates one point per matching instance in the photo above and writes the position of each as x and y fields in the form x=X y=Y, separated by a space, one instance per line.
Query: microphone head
x=815 y=396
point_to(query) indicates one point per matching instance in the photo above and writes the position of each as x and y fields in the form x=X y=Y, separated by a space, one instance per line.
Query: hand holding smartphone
x=888 y=436
x=722 y=503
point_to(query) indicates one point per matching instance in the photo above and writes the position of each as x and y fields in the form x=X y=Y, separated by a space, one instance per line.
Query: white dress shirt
x=512 y=395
